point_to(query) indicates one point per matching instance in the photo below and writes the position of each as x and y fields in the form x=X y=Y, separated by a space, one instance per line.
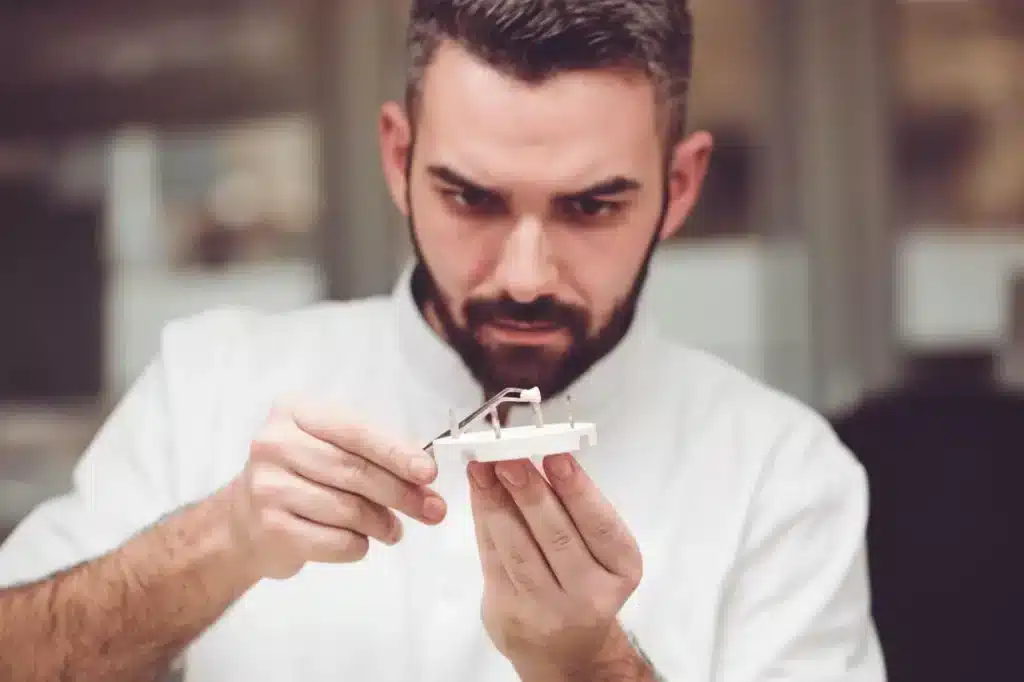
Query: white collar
x=622 y=375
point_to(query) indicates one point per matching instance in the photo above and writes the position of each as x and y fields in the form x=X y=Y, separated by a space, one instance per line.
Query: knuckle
x=263 y=448
x=517 y=558
x=561 y=540
x=264 y=488
x=273 y=523
x=393 y=454
x=352 y=511
x=606 y=532
x=606 y=602
x=634 y=572
x=357 y=434
x=271 y=443
x=623 y=595
x=351 y=468
x=524 y=581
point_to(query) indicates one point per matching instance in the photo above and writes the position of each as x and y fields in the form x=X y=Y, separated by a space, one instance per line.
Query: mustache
x=545 y=310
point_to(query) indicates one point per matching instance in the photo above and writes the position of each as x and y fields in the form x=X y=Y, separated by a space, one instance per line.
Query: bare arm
x=316 y=492
x=127 y=615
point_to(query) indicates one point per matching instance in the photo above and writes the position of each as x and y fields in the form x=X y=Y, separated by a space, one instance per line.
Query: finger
x=406 y=461
x=490 y=561
x=324 y=463
x=350 y=472
x=335 y=509
x=317 y=542
x=550 y=524
x=513 y=542
x=600 y=526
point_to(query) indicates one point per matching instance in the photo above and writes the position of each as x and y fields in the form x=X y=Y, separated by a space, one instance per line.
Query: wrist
x=226 y=542
x=618 y=660
x=621 y=660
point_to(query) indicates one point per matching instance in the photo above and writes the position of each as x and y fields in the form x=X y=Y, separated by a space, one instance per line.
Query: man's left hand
x=558 y=565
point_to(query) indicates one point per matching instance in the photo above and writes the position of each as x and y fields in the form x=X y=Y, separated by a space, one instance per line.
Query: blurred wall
x=865 y=152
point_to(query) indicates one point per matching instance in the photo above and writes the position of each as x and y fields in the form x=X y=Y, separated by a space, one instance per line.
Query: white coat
x=749 y=513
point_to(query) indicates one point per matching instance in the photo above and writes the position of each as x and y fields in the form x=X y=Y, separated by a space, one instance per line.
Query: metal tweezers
x=509 y=395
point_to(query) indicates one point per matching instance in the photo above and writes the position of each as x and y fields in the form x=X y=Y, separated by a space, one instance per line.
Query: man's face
x=534 y=210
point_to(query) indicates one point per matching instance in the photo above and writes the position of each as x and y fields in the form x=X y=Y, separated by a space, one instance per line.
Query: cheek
x=602 y=267
x=458 y=259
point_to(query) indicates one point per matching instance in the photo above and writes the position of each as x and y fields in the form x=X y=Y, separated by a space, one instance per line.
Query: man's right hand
x=317 y=488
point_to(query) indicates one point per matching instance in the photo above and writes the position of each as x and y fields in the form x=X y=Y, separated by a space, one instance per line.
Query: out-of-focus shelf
x=30 y=427
x=954 y=285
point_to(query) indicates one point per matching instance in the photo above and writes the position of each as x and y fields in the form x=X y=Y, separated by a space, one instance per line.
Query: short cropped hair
x=534 y=40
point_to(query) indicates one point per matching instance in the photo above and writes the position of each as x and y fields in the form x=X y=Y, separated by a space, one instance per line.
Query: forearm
x=125 y=616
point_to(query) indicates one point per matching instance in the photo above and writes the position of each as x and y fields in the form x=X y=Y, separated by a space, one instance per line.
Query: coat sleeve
x=798 y=607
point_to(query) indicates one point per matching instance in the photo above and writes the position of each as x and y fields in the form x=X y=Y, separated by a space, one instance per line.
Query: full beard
x=499 y=366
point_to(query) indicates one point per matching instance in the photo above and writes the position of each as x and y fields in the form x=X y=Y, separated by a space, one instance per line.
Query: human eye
x=471 y=200
x=590 y=209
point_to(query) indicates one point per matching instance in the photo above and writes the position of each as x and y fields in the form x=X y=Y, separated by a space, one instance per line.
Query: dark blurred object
x=1011 y=15
x=947 y=519
x=726 y=205
x=952 y=371
x=216 y=245
x=933 y=150
x=51 y=296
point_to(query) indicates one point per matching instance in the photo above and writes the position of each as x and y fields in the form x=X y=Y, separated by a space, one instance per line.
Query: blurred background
x=859 y=244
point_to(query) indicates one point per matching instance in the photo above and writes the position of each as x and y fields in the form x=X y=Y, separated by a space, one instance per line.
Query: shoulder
x=230 y=365
x=255 y=326
x=221 y=370
x=711 y=388
x=238 y=336
x=770 y=433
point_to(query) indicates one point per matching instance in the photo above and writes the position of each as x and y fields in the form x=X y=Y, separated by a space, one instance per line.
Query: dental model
x=518 y=442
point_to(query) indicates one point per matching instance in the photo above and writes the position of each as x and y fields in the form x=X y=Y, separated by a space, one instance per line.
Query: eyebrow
x=612 y=186
x=447 y=175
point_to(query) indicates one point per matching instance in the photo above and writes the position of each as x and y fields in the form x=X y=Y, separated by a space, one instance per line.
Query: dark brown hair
x=536 y=39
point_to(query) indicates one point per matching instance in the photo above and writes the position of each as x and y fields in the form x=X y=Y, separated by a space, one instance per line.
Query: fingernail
x=514 y=473
x=396 y=532
x=433 y=508
x=560 y=467
x=483 y=475
x=422 y=469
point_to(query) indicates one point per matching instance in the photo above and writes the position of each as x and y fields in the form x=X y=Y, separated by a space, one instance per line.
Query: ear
x=395 y=147
x=688 y=167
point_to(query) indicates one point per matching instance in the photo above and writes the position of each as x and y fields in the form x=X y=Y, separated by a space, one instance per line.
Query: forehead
x=573 y=127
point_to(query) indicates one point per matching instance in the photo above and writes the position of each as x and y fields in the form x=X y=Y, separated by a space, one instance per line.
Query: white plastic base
x=517 y=442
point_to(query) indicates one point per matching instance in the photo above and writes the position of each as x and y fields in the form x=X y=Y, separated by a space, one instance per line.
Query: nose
x=526 y=269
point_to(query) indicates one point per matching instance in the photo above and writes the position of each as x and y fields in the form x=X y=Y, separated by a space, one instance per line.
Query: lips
x=526 y=334
x=520 y=326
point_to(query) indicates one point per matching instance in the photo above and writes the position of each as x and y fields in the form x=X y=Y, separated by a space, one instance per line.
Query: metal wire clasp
x=530 y=396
